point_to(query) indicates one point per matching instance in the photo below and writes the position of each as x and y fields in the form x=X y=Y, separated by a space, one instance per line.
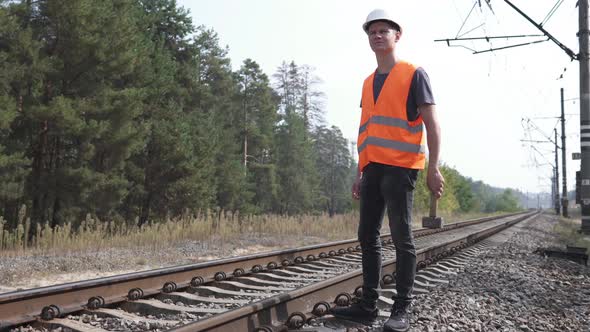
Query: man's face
x=382 y=37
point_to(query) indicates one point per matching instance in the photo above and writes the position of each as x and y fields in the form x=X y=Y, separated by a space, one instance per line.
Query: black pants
x=391 y=187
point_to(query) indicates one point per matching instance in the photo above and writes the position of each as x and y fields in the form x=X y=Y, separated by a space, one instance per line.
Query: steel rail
x=293 y=309
x=25 y=306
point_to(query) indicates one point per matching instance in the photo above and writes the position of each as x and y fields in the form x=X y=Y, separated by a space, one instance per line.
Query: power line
x=545 y=32
x=551 y=12
x=466 y=18
x=568 y=51
x=511 y=46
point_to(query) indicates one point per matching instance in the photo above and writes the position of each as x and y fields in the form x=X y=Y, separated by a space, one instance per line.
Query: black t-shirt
x=420 y=91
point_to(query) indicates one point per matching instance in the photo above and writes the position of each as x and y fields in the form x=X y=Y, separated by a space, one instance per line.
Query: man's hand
x=435 y=181
x=356 y=187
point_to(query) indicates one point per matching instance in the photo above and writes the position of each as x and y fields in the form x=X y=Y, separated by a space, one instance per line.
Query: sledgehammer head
x=432 y=221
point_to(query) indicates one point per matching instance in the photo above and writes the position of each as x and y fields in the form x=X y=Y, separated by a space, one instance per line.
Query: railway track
x=263 y=292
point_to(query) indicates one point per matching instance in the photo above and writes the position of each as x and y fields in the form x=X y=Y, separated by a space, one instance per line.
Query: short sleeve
x=421 y=89
x=420 y=94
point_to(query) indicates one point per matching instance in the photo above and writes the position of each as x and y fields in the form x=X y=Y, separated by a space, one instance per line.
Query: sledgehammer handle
x=433 y=205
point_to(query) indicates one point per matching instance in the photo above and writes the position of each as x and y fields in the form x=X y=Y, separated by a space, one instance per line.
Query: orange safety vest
x=386 y=136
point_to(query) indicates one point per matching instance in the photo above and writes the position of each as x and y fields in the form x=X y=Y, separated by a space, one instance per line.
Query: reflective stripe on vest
x=393 y=122
x=385 y=134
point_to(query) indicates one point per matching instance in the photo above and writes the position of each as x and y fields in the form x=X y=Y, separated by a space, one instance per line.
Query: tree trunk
x=55 y=219
x=38 y=208
x=145 y=209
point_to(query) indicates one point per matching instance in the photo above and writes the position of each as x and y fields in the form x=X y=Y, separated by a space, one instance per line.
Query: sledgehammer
x=432 y=221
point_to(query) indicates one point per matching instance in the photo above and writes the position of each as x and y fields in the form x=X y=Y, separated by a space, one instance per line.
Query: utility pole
x=583 y=57
x=564 y=201
x=557 y=200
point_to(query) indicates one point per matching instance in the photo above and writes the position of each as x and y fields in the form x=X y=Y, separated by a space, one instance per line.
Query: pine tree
x=294 y=167
x=217 y=98
x=334 y=167
x=78 y=104
x=298 y=177
x=310 y=98
x=13 y=164
x=168 y=174
x=258 y=112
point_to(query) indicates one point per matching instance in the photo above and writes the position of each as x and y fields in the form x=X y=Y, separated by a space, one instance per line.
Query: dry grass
x=214 y=229
x=567 y=231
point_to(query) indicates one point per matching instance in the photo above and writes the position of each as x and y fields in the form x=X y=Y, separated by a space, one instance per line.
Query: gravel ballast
x=511 y=288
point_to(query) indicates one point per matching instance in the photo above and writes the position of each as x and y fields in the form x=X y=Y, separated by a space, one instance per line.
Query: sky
x=481 y=99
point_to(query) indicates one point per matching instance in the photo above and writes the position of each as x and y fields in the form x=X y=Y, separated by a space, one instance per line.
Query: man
x=397 y=104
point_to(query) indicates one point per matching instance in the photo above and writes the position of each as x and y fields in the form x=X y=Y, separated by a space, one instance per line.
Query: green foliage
x=463 y=195
x=257 y=116
x=124 y=110
x=296 y=171
x=506 y=201
x=334 y=165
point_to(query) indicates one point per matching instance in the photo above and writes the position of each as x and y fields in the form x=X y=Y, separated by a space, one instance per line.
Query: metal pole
x=552 y=198
x=557 y=200
x=564 y=201
x=583 y=57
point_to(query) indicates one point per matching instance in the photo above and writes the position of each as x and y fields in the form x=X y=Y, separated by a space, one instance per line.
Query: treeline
x=462 y=194
x=126 y=110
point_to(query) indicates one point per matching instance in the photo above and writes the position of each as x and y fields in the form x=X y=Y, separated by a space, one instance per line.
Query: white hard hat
x=380 y=15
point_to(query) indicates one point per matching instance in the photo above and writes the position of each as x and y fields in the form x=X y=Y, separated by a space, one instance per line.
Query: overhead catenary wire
x=477 y=27
x=568 y=51
x=466 y=18
x=511 y=46
x=551 y=12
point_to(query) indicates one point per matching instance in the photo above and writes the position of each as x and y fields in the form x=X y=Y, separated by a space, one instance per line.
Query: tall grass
x=567 y=231
x=210 y=228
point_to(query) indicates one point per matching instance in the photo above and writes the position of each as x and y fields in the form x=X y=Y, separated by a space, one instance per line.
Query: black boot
x=356 y=313
x=399 y=321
